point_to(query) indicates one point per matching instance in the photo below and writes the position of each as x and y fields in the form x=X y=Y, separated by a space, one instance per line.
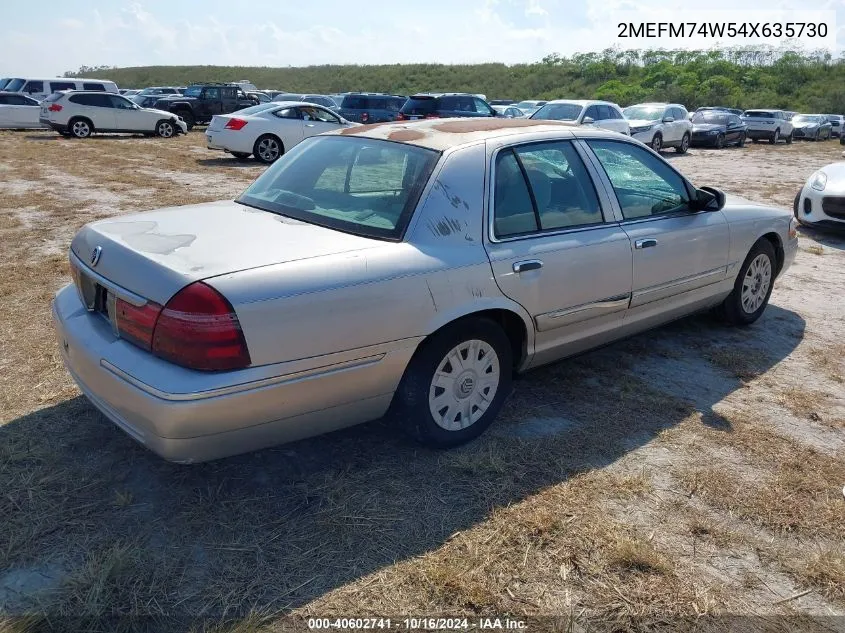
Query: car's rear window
x=419 y=105
x=54 y=97
x=759 y=114
x=357 y=185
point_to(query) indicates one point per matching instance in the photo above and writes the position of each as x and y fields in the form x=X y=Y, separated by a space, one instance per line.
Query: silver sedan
x=404 y=269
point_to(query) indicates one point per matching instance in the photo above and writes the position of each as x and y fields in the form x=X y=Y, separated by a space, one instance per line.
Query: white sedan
x=821 y=202
x=268 y=130
x=582 y=112
x=18 y=111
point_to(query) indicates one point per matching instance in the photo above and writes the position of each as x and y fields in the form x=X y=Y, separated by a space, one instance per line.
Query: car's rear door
x=680 y=256
x=555 y=246
x=98 y=108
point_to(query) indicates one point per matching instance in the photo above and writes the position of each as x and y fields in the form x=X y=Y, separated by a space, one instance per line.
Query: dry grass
x=601 y=492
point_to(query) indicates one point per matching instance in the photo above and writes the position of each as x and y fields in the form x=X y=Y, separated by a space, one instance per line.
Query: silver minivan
x=40 y=88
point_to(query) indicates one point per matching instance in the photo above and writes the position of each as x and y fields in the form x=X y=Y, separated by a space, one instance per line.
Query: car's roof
x=581 y=102
x=764 y=110
x=443 y=134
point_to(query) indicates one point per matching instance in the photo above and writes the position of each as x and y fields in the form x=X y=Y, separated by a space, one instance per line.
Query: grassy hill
x=802 y=81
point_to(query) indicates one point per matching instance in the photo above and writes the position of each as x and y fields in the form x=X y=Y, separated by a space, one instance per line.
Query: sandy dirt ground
x=695 y=471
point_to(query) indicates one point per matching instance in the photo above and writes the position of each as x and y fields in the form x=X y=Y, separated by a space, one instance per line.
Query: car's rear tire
x=753 y=285
x=455 y=384
x=268 y=148
x=684 y=146
x=741 y=141
x=775 y=137
x=789 y=138
x=80 y=127
x=165 y=129
x=657 y=142
x=187 y=117
x=240 y=155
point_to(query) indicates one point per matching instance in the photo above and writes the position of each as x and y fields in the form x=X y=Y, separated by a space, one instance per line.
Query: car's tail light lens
x=236 y=124
x=136 y=323
x=198 y=328
x=55 y=107
x=365 y=116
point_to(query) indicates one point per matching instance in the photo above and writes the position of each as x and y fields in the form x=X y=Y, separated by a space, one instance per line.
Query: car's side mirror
x=708 y=199
x=668 y=119
x=587 y=120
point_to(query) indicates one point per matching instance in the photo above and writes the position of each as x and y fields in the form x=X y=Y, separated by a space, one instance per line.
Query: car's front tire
x=741 y=141
x=455 y=384
x=188 y=117
x=720 y=141
x=80 y=127
x=789 y=138
x=657 y=142
x=753 y=285
x=165 y=129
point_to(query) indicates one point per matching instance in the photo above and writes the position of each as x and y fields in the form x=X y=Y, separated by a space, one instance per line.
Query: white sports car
x=821 y=202
x=18 y=111
x=268 y=130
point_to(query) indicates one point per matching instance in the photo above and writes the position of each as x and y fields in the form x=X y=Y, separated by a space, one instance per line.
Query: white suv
x=81 y=113
x=660 y=125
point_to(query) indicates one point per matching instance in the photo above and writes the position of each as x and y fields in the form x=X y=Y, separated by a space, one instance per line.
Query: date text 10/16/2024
x=418 y=624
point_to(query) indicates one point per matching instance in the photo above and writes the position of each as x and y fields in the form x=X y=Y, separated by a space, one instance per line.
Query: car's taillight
x=235 y=124
x=400 y=116
x=198 y=328
x=55 y=107
x=365 y=116
x=136 y=323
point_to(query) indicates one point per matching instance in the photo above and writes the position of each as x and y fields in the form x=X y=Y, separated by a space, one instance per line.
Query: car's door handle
x=309 y=125
x=530 y=264
x=648 y=243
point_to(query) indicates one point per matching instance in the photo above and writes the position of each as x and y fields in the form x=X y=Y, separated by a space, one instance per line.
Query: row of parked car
x=244 y=121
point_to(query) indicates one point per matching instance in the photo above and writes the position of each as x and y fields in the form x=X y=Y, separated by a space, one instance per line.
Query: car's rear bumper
x=229 y=141
x=226 y=420
x=766 y=133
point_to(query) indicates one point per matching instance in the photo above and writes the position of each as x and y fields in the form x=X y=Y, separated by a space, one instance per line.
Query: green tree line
x=804 y=81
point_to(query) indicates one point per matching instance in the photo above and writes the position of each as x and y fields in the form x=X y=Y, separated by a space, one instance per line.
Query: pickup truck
x=201 y=102
x=772 y=125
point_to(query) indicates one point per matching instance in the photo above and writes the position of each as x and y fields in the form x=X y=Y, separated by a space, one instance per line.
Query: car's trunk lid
x=157 y=253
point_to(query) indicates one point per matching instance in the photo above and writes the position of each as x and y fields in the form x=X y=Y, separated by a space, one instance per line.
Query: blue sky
x=52 y=36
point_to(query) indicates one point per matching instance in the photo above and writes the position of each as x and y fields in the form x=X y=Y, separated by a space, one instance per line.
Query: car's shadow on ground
x=826 y=237
x=229 y=161
x=86 y=507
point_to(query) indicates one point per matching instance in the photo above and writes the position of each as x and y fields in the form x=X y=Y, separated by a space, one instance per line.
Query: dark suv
x=201 y=102
x=450 y=104
x=370 y=107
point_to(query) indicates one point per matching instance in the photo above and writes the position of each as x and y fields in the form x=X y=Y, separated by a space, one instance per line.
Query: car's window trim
x=608 y=218
x=691 y=189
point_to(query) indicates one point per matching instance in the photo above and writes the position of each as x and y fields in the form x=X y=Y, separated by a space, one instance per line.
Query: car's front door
x=210 y=103
x=734 y=129
x=317 y=120
x=680 y=255
x=556 y=248
x=127 y=117
x=101 y=112
x=290 y=127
